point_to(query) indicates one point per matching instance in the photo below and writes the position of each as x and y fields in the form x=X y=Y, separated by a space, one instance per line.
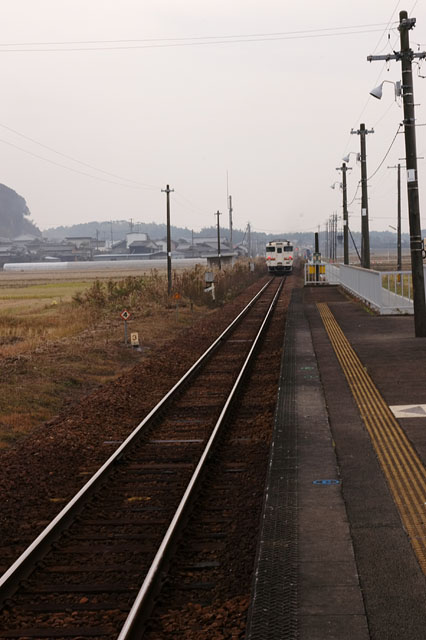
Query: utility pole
x=317 y=252
x=398 y=226
x=332 y=250
x=344 y=169
x=335 y=237
x=334 y=227
x=249 y=238
x=230 y=220
x=167 y=191
x=406 y=55
x=327 y=250
x=218 y=239
x=365 y=234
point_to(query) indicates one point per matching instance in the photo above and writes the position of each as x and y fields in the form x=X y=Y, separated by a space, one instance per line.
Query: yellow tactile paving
x=403 y=469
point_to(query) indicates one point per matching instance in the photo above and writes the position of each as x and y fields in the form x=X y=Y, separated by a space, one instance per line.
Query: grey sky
x=275 y=114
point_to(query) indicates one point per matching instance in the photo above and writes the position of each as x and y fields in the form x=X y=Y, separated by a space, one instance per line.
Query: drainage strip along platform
x=342 y=550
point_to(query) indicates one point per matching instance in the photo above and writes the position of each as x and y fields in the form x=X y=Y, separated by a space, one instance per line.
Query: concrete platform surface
x=354 y=569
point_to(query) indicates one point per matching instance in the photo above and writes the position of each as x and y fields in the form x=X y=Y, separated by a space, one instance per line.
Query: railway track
x=82 y=577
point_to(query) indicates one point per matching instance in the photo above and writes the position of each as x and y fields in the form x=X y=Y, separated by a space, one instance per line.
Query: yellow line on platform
x=403 y=469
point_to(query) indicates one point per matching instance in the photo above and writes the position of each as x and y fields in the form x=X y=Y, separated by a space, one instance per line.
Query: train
x=279 y=256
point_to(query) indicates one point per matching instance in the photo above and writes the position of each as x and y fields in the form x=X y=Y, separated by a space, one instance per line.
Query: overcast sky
x=190 y=94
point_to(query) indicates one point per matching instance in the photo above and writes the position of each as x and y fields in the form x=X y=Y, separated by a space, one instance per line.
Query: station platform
x=342 y=551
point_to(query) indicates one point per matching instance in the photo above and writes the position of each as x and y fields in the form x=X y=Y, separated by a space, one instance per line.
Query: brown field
x=54 y=350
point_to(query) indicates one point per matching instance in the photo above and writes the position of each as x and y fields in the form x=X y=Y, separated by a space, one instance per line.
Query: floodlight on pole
x=406 y=56
x=346 y=158
x=377 y=92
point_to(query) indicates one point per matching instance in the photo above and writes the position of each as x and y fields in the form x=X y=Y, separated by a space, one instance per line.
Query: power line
x=381 y=162
x=64 y=155
x=188 y=38
x=386 y=154
x=63 y=166
x=387 y=27
x=159 y=44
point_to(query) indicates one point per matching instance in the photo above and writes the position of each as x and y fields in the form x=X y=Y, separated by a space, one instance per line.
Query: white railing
x=388 y=292
x=321 y=273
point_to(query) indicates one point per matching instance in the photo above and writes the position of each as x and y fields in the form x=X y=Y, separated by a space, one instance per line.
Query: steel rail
x=131 y=629
x=23 y=565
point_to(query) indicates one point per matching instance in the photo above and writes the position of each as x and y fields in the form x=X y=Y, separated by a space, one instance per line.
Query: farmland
x=61 y=334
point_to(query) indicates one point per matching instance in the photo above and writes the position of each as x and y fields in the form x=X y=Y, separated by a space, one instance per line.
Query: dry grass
x=401 y=285
x=51 y=330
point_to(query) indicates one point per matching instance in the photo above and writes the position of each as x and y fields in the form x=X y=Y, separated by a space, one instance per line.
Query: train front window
x=279 y=250
x=270 y=249
x=288 y=248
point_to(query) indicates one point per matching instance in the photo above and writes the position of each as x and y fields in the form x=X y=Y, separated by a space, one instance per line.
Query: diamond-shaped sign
x=125 y=315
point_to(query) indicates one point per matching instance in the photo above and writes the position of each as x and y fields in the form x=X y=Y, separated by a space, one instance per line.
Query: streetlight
x=377 y=92
x=358 y=156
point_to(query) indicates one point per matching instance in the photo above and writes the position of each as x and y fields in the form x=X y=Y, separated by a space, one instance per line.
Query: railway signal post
x=125 y=315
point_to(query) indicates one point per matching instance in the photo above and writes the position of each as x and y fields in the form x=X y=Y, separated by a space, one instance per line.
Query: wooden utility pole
x=167 y=191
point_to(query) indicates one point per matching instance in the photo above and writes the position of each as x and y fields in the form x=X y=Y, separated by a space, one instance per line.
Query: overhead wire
x=191 y=42
x=68 y=157
x=379 y=166
x=63 y=166
x=386 y=29
x=186 y=38
x=386 y=154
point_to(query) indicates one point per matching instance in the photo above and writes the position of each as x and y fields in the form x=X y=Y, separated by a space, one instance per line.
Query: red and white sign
x=125 y=315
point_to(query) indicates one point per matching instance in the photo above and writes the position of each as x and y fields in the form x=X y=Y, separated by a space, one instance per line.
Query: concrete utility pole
x=327 y=244
x=230 y=220
x=365 y=233
x=317 y=252
x=218 y=239
x=344 y=169
x=398 y=226
x=406 y=55
x=168 y=191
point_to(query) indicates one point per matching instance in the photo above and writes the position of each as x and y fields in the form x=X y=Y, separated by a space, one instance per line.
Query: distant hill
x=14 y=215
x=117 y=230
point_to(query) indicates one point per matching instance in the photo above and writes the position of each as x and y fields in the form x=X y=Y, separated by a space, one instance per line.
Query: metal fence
x=388 y=292
x=318 y=273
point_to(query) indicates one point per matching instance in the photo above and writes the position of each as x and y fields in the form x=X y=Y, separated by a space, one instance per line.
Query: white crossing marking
x=409 y=410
